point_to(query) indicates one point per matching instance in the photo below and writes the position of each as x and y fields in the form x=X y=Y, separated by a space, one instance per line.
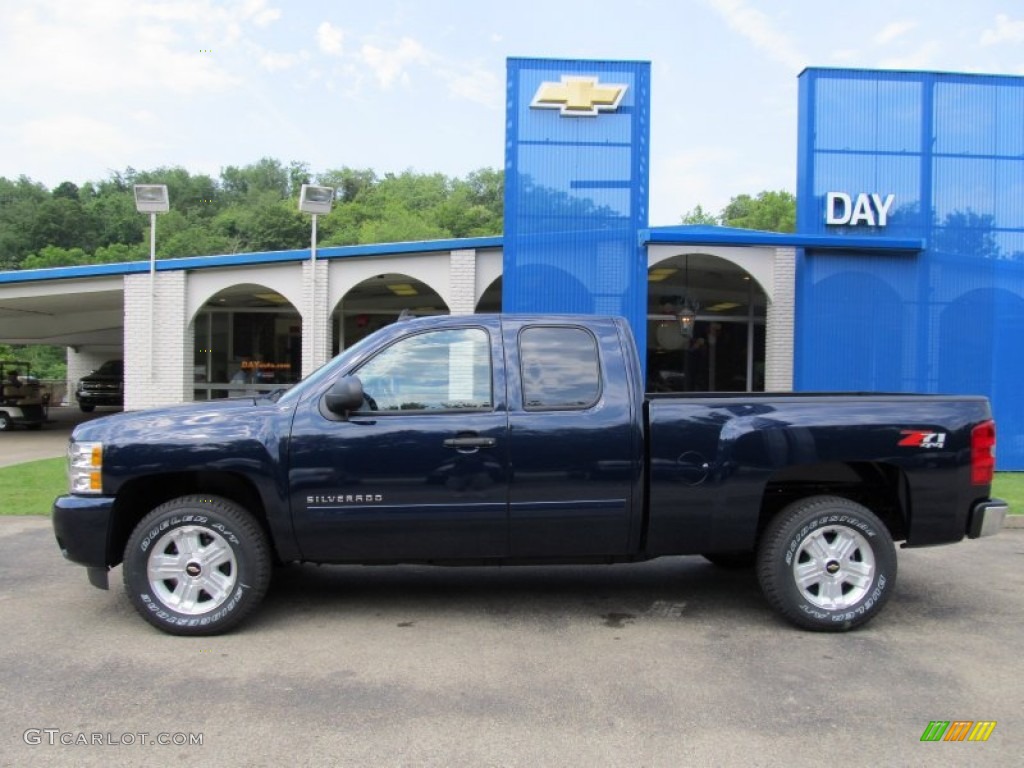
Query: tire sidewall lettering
x=180 y=620
x=164 y=525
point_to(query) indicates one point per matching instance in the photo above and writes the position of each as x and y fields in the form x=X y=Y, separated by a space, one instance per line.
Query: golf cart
x=21 y=399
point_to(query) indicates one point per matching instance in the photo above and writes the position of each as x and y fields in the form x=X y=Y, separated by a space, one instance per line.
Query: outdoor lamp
x=151 y=198
x=315 y=199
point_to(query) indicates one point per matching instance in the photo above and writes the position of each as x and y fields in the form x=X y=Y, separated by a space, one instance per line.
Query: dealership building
x=906 y=272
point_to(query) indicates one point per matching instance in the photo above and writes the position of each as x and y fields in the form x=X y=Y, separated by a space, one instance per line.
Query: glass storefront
x=246 y=352
x=722 y=355
x=705 y=327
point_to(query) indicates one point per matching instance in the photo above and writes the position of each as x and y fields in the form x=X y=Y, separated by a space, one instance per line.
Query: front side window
x=434 y=371
x=560 y=368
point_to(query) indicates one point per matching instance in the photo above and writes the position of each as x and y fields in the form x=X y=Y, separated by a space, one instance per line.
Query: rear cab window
x=560 y=368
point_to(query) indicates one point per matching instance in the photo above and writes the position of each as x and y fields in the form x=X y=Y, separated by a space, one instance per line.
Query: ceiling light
x=271 y=298
x=403 y=289
x=660 y=273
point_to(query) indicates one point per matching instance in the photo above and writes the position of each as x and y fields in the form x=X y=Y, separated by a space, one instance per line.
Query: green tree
x=63 y=222
x=769 y=211
x=265 y=175
x=699 y=216
x=46 y=362
x=399 y=225
x=350 y=183
x=56 y=256
x=19 y=203
x=116 y=253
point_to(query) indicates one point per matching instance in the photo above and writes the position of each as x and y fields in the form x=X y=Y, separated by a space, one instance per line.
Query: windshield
x=111 y=368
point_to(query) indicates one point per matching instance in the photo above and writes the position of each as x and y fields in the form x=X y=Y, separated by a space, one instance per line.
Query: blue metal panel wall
x=951 y=319
x=576 y=191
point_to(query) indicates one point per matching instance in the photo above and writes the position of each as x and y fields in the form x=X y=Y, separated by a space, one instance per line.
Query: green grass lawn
x=29 y=489
x=1009 y=486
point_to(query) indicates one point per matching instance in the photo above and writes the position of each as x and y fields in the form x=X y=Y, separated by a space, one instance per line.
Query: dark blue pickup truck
x=521 y=439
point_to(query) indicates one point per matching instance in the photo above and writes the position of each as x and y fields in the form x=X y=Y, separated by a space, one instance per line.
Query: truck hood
x=192 y=422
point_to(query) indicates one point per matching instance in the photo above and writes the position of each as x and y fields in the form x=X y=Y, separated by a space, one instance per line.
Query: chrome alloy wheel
x=192 y=570
x=833 y=567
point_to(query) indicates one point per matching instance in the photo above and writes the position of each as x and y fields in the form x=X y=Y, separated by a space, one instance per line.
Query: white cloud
x=117 y=47
x=391 y=66
x=72 y=135
x=686 y=179
x=844 y=55
x=330 y=38
x=761 y=31
x=480 y=87
x=893 y=30
x=924 y=57
x=275 y=62
x=1006 y=30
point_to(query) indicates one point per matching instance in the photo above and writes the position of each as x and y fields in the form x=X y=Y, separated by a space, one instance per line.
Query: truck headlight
x=85 y=467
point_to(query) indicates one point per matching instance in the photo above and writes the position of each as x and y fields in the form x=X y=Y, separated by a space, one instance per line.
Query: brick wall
x=778 y=375
x=462 y=282
x=156 y=341
x=316 y=346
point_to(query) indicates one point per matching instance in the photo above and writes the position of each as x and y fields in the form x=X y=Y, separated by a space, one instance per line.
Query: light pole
x=152 y=199
x=314 y=200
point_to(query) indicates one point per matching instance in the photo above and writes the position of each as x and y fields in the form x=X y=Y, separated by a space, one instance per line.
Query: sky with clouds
x=95 y=86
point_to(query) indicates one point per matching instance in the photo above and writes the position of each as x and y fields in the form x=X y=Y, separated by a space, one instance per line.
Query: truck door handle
x=469 y=442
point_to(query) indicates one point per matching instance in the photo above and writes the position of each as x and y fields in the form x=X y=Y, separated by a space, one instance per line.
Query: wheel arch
x=881 y=487
x=139 y=496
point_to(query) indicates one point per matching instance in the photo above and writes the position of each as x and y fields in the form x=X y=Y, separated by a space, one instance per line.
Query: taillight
x=983 y=453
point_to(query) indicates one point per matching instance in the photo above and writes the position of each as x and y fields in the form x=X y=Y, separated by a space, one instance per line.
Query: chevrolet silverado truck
x=521 y=440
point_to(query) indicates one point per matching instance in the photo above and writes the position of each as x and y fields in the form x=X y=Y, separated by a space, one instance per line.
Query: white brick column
x=462 y=282
x=158 y=344
x=316 y=340
x=778 y=374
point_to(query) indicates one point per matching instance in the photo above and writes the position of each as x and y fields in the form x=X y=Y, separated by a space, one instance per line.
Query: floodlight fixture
x=315 y=200
x=151 y=198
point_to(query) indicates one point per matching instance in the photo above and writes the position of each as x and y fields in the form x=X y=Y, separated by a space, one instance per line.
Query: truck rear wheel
x=196 y=565
x=827 y=563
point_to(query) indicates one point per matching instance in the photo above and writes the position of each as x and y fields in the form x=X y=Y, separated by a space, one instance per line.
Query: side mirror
x=345 y=395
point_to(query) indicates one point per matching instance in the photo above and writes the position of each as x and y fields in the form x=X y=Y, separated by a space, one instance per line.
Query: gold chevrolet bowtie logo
x=578 y=96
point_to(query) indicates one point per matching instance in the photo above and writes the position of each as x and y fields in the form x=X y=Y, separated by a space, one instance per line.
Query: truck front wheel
x=196 y=565
x=827 y=563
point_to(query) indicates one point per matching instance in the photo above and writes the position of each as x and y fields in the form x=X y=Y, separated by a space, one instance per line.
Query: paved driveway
x=669 y=663
x=19 y=445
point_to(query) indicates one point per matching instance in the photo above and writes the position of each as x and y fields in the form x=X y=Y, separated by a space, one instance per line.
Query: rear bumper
x=987 y=518
x=82 y=527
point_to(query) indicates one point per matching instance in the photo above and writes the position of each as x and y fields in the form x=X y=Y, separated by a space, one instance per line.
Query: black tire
x=845 y=557
x=732 y=561
x=223 y=577
x=86 y=408
x=6 y=423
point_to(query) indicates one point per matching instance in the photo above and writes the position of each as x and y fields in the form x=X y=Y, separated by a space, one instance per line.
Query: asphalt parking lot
x=669 y=663
x=20 y=445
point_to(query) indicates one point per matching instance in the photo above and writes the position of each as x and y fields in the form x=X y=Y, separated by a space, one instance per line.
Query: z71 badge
x=913 y=438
